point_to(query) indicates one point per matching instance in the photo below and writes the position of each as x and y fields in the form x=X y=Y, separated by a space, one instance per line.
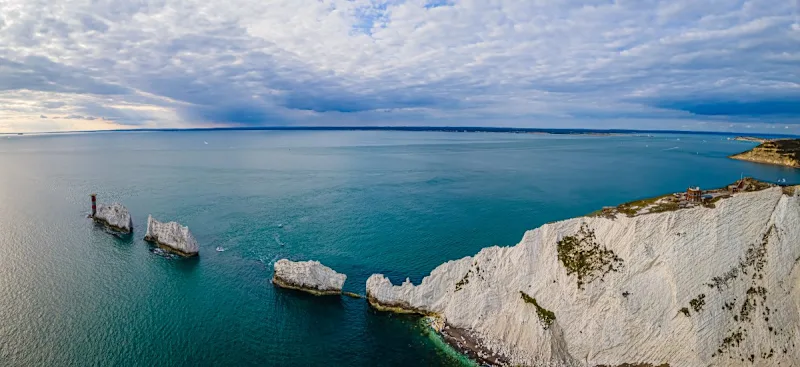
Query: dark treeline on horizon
x=472 y=129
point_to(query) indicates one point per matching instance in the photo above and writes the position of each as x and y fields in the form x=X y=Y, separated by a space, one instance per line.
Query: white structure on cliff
x=691 y=287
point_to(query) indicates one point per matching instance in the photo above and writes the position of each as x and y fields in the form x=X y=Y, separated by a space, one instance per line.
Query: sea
x=362 y=202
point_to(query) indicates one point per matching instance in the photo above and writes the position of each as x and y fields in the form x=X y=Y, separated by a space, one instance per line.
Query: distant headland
x=783 y=152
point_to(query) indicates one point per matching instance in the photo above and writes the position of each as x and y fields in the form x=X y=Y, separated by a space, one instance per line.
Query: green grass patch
x=545 y=316
x=583 y=256
x=698 y=303
x=631 y=208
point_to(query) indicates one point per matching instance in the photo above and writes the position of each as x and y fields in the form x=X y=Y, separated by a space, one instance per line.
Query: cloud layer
x=94 y=64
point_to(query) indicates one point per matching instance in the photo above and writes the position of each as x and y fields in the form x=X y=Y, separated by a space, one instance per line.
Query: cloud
x=738 y=108
x=171 y=63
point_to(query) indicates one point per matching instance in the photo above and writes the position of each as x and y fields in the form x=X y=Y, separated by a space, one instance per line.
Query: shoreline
x=278 y=282
x=170 y=249
x=112 y=227
x=461 y=340
x=777 y=152
x=468 y=345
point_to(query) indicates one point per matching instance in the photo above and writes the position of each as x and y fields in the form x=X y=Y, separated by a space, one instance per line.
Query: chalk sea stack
x=690 y=287
x=172 y=237
x=114 y=216
x=308 y=276
x=783 y=152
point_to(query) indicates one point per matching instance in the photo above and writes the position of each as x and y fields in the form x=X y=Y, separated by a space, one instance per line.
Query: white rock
x=309 y=276
x=114 y=216
x=172 y=236
x=633 y=315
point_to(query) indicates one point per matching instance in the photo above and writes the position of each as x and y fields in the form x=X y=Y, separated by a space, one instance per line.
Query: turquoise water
x=397 y=203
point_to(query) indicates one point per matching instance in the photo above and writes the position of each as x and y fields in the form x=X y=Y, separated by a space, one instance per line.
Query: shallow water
x=397 y=203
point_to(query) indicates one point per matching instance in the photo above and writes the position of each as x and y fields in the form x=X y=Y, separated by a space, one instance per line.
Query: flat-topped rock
x=171 y=236
x=308 y=276
x=114 y=216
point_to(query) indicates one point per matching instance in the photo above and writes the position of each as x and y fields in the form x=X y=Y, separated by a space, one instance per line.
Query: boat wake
x=277 y=238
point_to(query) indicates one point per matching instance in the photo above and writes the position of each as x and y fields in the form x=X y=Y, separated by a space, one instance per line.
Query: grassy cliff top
x=675 y=201
x=784 y=152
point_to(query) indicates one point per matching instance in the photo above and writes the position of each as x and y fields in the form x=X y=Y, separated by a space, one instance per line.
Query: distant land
x=472 y=129
x=752 y=138
x=782 y=152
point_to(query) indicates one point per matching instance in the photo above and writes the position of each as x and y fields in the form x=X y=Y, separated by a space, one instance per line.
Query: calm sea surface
x=398 y=203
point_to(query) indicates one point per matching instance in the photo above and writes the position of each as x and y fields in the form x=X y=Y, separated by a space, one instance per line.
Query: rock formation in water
x=114 y=216
x=171 y=236
x=691 y=287
x=784 y=152
x=308 y=276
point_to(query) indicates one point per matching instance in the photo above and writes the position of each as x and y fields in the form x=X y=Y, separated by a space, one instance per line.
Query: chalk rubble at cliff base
x=691 y=287
x=308 y=276
x=171 y=236
x=114 y=216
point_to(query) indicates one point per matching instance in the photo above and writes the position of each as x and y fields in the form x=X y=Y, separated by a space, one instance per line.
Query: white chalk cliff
x=172 y=236
x=115 y=216
x=692 y=287
x=309 y=276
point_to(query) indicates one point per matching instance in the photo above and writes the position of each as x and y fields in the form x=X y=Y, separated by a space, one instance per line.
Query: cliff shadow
x=305 y=299
x=118 y=237
x=187 y=264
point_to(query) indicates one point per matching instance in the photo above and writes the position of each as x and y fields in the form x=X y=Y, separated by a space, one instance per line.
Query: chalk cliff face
x=784 y=152
x=309 y=276
x=691 y=287
x=171 y=236
x=115 y=216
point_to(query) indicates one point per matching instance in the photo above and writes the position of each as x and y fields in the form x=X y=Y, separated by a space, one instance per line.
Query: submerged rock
x=114 y=216
x=171 y=236
x=692 y=287
x=308 y=276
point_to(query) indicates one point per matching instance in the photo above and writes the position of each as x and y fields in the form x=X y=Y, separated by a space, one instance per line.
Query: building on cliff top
x=693 y=194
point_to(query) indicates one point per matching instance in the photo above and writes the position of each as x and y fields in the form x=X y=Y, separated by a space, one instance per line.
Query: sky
x=719 y=65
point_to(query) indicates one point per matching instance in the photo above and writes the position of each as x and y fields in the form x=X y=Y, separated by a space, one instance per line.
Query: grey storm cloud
x=248 y=62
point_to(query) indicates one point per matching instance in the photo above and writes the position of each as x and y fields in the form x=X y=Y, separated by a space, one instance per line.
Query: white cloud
x=171 y=63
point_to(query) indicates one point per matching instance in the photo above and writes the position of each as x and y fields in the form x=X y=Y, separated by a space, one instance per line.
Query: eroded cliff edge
x=784 y=152
x=690 y=287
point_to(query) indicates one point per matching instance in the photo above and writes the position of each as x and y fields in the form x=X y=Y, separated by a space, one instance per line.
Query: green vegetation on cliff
x=545 y=316
x=583 y=256
x=784 y=152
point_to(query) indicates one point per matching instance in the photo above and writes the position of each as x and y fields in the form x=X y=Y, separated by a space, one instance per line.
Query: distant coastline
x=752 y=139
x=781 y=152
x=464 y=129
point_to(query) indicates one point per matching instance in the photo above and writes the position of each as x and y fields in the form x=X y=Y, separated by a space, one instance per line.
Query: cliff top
x=679 y=200
x=784 y=152
x=786 y=147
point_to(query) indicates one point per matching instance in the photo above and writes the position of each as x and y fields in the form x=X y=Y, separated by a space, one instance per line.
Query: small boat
x=220 y=249
x=280 y=225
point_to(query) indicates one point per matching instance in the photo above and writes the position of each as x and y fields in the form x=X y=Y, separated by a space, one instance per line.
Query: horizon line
x=556 y=131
